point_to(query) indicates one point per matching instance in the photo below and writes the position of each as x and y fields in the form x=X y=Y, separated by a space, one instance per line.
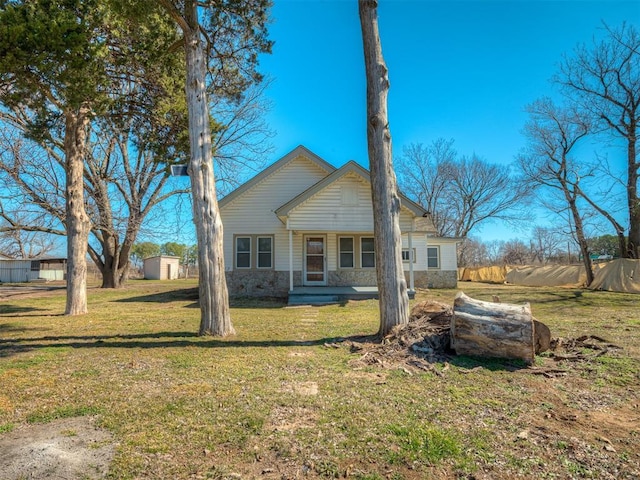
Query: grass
x=274 y=402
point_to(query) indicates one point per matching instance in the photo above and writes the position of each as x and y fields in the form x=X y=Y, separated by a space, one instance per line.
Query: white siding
x=448 y=257
x=252 y=213
x=326 y=209
x=16 y=271
x=161 y=268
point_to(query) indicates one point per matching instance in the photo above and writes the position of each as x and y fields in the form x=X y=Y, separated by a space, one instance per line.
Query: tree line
x=546 y=246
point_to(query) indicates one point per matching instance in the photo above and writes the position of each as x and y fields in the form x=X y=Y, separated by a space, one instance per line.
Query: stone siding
x=260 y=283
x=435 y=279
x=272 y=283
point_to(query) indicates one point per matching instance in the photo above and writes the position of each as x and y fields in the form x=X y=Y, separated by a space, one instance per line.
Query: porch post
x=290 y=257
x=426 y=241
x=411 y=280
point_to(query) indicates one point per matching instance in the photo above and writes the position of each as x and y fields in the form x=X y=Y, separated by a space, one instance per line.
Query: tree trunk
x=633 y=246
x=392 y=285
x=488 y=329
x=77 y=220
x=215 y=316
x=581 y=238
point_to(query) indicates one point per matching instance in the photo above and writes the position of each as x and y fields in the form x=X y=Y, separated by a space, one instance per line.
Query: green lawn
x=274 y=402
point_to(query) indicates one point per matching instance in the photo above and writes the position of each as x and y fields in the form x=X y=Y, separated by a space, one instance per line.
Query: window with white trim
x=405 y=255
x=433 y=257
x=346 y=252
x=367 y=252
x=265 y=252
x=243 y=252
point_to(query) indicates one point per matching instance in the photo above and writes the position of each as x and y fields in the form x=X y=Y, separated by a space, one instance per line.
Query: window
x=405 y=255
x=346 y=252
x=265 y=252
x=433 y=257
x=367 y=252
x=243 y=252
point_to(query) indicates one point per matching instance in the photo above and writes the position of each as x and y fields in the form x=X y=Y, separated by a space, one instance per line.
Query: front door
x=315 y=272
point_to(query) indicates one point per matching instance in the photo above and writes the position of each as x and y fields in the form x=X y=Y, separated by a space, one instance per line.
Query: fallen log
x=488 y=329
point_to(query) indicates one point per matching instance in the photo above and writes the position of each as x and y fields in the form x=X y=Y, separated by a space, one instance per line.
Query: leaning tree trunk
x=215 y=316
x=633 y=246
x=581 y=238
x=392 y=285
x=77 y=220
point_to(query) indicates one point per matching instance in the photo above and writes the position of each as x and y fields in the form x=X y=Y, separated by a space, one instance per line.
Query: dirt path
x=70 y=448
x=9 y=292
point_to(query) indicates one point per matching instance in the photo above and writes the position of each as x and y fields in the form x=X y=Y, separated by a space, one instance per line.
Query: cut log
x=487 y=329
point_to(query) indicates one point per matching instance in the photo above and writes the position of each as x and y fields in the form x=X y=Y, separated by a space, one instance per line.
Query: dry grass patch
x=274 y=402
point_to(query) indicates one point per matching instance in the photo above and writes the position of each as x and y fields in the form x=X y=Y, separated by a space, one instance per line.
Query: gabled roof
x=349 y=167
x=292 y=155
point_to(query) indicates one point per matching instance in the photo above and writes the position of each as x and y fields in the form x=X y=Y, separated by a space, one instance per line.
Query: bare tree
x=515 y=252
x=392 y=285
x=545 y=243
x=472 y=253
x=553 y=132
x=425 y=174
x=15 y=243
x=462 y=193
x=123 y=183
x=241 y=136
x=604 y=81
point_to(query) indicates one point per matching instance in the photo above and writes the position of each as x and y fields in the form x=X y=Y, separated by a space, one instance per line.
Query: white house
x=301 y=222
x=161 y=267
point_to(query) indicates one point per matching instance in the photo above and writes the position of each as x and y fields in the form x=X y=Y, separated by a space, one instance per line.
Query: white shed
x=161 y=267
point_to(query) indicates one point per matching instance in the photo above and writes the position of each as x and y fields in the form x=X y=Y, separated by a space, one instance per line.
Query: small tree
x=143 y=250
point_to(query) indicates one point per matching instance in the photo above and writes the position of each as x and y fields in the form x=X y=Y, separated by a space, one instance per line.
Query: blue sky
x=458 y=69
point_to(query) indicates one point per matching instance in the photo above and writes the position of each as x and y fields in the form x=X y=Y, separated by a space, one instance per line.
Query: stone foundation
x=260 y=283
x=435 y=279
x=272 y=283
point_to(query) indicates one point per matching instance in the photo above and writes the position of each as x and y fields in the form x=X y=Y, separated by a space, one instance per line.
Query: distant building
x=161 y=267
x=31 y=270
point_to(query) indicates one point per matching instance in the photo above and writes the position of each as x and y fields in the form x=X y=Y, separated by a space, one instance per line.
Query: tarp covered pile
x=548 y=276
x=621 y=275
x=494 y=274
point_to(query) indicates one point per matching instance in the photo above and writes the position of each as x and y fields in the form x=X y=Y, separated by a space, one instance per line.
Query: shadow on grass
x=191 y=294
x=13 y=346
x=10 y=347
x=570 y=297
x=491 y=364
x=9 y=309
